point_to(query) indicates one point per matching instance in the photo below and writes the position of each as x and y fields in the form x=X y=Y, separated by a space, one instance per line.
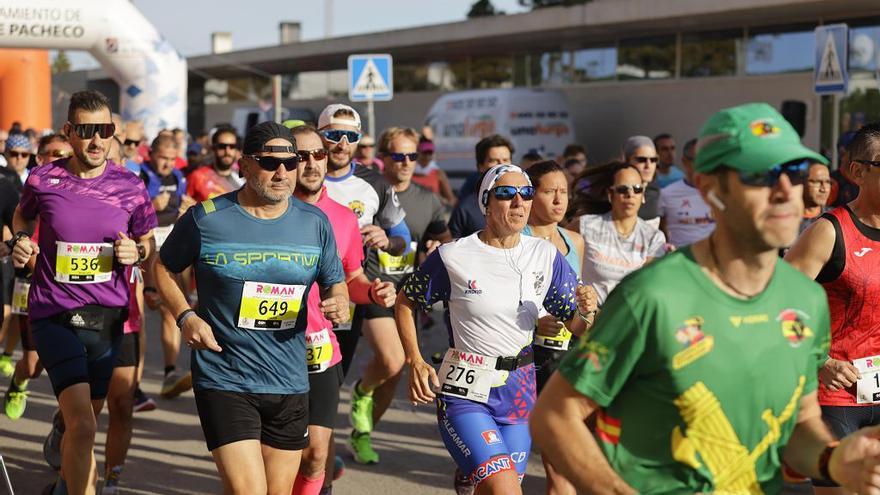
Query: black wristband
x=825 y=460
x=182 y=316
x=15 y=238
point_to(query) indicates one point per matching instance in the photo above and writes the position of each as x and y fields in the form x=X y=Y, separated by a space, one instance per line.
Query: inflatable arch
x=151 y=75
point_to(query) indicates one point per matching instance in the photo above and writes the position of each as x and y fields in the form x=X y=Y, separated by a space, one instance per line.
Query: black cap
x=260 y=134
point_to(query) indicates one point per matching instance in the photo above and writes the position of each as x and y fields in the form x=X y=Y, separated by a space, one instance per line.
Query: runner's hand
x=160 y=202
x=431 y=245
x=23 y=250
x=586 y=298
x=335 y=308
x=186 y=202
x=855 y=463
x=374 y=237
x=198 y=335
x=383 y=293
x=125 y=250
x=836 y=374
x=549 y=326
x=422 y=382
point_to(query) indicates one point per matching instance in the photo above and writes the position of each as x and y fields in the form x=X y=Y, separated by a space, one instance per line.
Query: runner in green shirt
x=702 y=367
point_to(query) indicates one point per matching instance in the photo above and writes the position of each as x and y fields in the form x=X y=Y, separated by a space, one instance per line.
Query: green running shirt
x=700 y=391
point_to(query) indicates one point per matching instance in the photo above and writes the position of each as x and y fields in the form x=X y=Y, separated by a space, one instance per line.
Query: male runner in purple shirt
x=94 y=220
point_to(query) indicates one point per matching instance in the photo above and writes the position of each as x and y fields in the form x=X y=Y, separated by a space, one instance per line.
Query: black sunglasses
x=271 y=163
x=18 y=154
x=797 y=172
x=645 y=159
x=624 y=189
x=399 y=157
x=131 y=142
x=224 y=146
x=88 y=131
x=318 y=154
x=873 y=163
x=506 y=193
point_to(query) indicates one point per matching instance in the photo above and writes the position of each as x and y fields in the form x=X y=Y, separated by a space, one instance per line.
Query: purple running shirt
x=77 y=216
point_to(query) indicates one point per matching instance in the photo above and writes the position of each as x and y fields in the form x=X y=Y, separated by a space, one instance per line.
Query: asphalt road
x=168 y=453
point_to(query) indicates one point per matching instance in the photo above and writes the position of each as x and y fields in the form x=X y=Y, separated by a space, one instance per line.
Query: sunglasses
x=646 y=159
x=318 y=154
x=57 y=153
x=88 y=131
x=336 y=135
x=873 y=163
x=18 y=154
x=399 y=157
x=224 y=146
x=797 y=173
x=131 y=142
x=506 y=193
x=625 y=189
x=271 y=163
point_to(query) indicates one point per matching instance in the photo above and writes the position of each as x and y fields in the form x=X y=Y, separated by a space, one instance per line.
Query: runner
x=53 y=147
x=617 y=240
x=429 y=175
x=256 y=253
x=816 y=192
x=79 y=296
x=467 y=218
x=167 y=187
x=28 y=367
x=671 y=365
x=552 y=338
x=208 y=182
x=840 y=252
x=322 y=348
x=488 y=377
x=373 y=393
x=684 y=217
x=639 y=152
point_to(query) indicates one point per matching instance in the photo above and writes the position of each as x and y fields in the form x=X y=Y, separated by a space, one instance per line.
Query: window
x=491 y=72
x=646 y=58
x=777 y=52
x=864 y=48
x=710 y=54
x=594 y=64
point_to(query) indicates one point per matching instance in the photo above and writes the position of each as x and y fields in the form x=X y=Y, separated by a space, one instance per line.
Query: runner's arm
x=813 y=248
x=362 y=291
x=423 y=377
x=334 y=302
x=20 y=223
x=168 y=288
x=446 y=188
x=558 y=425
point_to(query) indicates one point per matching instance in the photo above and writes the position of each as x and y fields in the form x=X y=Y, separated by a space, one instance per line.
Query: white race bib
x=319 y=350
x=557 y=343
x=467 y=375
x=266 y=306
x=161 y=234
x=83 y=262
x=20 y=296
x=868 y=386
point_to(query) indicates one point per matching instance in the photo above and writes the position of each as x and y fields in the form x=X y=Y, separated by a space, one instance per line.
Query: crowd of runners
x=645 y=325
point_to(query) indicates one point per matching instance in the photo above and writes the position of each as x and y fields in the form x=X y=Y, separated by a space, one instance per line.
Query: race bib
x=20 y=296
x=557 y=343
x=467 y=375
x=83 y=263
x=161 y=234
x=343 y=327
x=267 y=306
x=868 y=386
x=319 y=350
x=398 y=265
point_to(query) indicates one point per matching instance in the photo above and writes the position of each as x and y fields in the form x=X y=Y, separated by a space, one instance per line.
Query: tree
x=483 y=8
x=61 y=63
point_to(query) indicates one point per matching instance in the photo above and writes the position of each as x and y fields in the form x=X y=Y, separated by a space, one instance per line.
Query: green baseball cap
x=751 y=138
x=293 y=123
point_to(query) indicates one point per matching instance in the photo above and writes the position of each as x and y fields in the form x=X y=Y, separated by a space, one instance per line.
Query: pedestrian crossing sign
x=830 y=73
x=370 y=77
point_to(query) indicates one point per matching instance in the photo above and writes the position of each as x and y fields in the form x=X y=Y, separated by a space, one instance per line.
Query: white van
x=534 y=119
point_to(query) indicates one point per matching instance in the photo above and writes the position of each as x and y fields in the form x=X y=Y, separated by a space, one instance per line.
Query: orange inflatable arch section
x=25 y=88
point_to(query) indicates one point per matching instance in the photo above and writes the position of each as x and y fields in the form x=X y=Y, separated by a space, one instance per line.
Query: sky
x=188 y=24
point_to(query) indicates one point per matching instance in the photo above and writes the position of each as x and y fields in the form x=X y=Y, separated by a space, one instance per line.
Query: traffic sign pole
x=370 y=79
x=835 y=130
x=371 y=115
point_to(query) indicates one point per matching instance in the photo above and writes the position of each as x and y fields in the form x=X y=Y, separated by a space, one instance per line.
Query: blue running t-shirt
x=229 y=247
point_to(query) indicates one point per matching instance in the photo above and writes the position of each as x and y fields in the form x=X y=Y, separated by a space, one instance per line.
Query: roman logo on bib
x=266 y=306
x=83 y=263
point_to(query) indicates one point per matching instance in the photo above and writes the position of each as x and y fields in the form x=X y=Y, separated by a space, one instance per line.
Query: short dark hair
x=49 y=139
x=162 y=140
x=865 y=142
x=532 y=155
x=573 y=149
x=88 y=100
x=690 y=149
x=661 y=136
x=540 y=169
x=488 y=142
x=225 y=130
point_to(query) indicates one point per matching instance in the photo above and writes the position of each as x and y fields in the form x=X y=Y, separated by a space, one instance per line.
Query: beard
x=224 y=164
x=267 y=193
x=88 y=161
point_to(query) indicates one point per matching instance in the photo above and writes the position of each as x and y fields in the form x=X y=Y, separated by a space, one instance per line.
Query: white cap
x=327 y=119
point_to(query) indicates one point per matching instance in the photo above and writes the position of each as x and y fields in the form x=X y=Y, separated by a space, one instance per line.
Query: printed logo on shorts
x=491 y=437
x=492 y=467
x=696 y=343
x=793 y=327
x=472 y=288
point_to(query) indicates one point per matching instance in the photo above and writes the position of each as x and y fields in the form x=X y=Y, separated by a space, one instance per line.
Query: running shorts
x=279 y=421
x=844 y=420
x=324 y=396
x=129 y=351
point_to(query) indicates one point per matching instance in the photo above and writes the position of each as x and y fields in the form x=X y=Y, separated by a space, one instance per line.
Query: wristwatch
x=18 y=235
x=142 y=254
